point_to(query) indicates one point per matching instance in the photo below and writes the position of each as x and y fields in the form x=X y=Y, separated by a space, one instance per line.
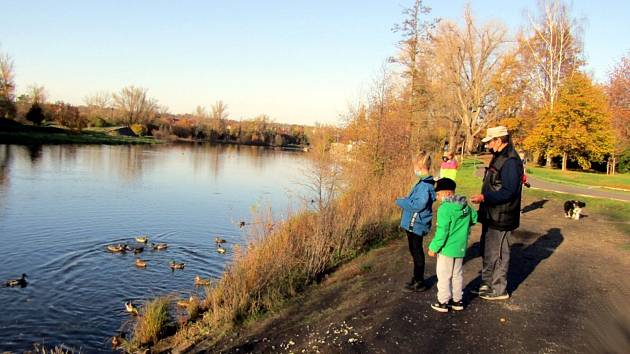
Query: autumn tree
x=135 y=106
x=469 y=58
x=99 y=108
x=414 y=57
x=7 y=87
x=618 y=92
x=554 y=47
x=68 y=115
x=578 y=128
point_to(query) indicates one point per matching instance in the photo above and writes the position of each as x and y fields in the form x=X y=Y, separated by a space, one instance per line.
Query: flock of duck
x=142 y=263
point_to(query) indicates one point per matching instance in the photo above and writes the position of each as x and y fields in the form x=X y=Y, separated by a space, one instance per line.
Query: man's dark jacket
x=501 y=189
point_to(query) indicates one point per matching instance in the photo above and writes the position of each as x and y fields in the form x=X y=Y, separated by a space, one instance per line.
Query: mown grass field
x=617 y=212
x=621 y=180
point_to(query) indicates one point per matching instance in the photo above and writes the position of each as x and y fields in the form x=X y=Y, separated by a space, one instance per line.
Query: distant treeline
x=132 y=107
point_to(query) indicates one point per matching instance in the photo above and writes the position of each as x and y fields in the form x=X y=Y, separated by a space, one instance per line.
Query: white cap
x=495 y=133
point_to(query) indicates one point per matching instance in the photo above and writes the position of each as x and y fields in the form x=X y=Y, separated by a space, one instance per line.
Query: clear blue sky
x=297 y=61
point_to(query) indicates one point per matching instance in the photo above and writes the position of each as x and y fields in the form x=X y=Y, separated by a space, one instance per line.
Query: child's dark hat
x=445 y=184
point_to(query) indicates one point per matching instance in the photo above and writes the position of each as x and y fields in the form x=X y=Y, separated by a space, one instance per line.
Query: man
x=499 y=211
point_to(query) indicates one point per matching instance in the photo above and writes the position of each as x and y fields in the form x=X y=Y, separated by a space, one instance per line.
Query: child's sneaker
x=439 y=307
x=494 y=296
x=457 y=305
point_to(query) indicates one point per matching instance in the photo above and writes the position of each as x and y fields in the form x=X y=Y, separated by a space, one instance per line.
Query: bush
x=139 y=129
x=152 y=322
x=36 y=114
x=624 y=162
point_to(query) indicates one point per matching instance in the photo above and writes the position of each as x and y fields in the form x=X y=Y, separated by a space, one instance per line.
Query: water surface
x=61 y=205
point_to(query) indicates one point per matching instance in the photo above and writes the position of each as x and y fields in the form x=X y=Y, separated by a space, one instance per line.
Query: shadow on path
x=534 y=205
x=524 y=256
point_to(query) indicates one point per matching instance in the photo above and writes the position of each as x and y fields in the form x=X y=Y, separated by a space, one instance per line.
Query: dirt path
x=568 y=281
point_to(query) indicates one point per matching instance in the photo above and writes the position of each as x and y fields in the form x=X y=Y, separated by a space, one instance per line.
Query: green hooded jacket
x=454 y=218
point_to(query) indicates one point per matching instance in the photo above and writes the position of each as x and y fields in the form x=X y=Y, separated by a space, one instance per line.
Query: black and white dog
x=573 y=209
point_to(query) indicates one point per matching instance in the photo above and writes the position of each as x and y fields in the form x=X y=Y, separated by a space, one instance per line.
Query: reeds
x=152 y=322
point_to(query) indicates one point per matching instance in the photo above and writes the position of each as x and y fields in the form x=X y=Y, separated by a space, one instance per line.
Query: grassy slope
x=581 y=178
x=15 y=133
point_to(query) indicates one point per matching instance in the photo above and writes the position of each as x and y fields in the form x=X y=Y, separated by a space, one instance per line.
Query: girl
x=416 y=217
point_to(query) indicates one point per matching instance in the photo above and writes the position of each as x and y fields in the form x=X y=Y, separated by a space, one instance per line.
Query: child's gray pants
x=450 y=278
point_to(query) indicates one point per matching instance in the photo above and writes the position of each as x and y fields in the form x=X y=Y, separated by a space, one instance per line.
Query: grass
x=615 y=211
x=620 y=180
x=12 y=132
x=152 y=322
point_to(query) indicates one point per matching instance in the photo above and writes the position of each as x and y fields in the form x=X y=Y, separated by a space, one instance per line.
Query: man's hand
x=476 y=199
x=431 y=253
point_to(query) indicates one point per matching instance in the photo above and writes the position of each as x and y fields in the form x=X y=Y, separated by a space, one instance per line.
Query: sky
x=296 y=61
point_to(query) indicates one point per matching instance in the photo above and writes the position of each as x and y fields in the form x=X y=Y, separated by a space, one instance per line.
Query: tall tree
x=7 y=87
x=554 y=46
x=413 y=56
x=469 y=58
x=578 y=128
x=135 y=105
x=618 y=91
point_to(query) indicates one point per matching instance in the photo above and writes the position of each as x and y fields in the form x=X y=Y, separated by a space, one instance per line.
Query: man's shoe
x=483 y=289
x=493 y=296
x=418 y=286
x=457 y=305
x=439 y=307
x=410 y=282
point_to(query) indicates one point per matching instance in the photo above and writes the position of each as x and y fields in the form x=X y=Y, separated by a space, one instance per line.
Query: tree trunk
x=564 y=161
x=612 y=168
x=548 y=161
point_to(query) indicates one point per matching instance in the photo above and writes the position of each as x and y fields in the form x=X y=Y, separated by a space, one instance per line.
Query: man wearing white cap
x=499 y=211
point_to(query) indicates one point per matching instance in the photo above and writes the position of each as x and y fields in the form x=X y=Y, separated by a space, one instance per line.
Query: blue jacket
x=417 y=213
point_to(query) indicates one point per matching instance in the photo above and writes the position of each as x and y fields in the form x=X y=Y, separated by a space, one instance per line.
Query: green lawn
x=32 y=138
x=616 y=212
x=621 y=180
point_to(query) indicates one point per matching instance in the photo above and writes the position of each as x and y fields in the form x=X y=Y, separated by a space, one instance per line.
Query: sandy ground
x=568 y=280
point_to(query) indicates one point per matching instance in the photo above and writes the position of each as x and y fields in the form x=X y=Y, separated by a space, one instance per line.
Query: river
x=60 y=206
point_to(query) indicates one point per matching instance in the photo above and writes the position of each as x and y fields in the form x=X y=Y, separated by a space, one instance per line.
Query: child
x=416 y=217
x=454 y=218
x=448 y=168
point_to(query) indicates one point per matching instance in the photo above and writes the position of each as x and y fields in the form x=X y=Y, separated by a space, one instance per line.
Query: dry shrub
x=152 y=322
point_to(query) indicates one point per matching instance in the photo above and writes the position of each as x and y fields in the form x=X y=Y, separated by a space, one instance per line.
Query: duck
x=141 y=263
x=116 y=248
x=185 y=303
x=159 y=246
x=131 y=308
x=176 y=265
x=142 y=239
x=137 y=250
x=199 y=281
x=116 y=342
x=241 y=224
x=220 y=250
x=17 y=282
x=219 y=240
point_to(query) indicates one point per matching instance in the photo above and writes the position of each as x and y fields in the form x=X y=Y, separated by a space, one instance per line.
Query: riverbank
x=14 y=133
x=361 y=307
x=566 y=281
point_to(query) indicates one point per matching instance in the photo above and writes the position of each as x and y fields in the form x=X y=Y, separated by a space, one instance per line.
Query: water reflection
x=61 y=205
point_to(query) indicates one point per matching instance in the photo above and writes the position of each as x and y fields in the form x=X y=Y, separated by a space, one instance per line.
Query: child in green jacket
x=454 y=219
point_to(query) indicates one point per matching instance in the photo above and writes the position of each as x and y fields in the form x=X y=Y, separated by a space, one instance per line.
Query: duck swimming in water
x=159 y=246
x=17 y=282
x=119 y=248
x=199 y=281
x=131 y=308
x=220 y=250
x=219 y=240
x=137 y=250
x=142 y=239
x=141 y=263
x=185 y=303
x=176 y=265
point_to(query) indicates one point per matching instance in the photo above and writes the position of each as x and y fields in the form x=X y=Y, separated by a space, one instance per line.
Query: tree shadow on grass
x=525 y=256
